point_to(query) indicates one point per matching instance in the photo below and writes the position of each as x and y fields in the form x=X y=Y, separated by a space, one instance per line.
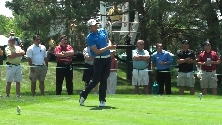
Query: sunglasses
x=65 y=39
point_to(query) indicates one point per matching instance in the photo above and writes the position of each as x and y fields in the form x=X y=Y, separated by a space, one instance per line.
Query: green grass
x=120 y=110
x=123 y=108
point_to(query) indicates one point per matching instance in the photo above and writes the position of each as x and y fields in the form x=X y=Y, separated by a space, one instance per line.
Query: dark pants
x=87 y=74
x=64 y=71
x=101 y=74
x=164 y=77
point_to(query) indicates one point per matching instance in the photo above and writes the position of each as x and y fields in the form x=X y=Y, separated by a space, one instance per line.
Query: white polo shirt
x=37 y=54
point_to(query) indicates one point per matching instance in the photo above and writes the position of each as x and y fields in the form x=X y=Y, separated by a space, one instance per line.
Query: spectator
x=115 y=13
x=112 y=79
x=88 y=72
x=13 y=68
x=18 y=42
x=140 y=67
x=186 y=58
x=1 y=63
x=99 y=44
x=38 y=62
x=162 y=60
x=208 y=59
x=64 y=53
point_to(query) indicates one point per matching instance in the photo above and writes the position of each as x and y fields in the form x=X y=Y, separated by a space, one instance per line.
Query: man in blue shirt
x=140 y=71
x=99 y=45
x=162 y=60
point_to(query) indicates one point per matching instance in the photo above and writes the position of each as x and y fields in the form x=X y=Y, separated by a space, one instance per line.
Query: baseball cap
x=185 y=42
x=113 y=50
x=206 y=43
x=12 y=32
x=11 y=38
x=92 y=22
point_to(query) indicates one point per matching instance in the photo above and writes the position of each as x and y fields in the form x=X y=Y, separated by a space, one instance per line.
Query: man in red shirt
x=64 y=53
x=208 y=59
x=112 y=79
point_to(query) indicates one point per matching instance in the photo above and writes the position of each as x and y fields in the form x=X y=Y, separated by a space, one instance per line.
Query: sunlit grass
x=123 y=108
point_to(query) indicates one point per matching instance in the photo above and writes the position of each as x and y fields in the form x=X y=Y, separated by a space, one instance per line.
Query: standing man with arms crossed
x=64 y=53
x=208 y=59
x=18 y=42
x=38 y=61
x=140 y=67
x=162 y=60
x=13 y=68
x=185 y=59
x=99 y=45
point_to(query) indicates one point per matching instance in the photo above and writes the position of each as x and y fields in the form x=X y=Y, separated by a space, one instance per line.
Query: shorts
x=208 y=79
x=185 y=79
x=140 y=77
x=40 y=73
x=13 y=73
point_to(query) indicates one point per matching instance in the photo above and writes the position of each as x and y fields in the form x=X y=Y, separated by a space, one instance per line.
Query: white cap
x=12 y=32
x=92 y=22
x=113 y=50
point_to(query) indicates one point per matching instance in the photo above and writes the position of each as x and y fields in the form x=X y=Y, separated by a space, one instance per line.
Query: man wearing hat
x=185 y=60
x=100 y=45
x=208 y=59
x=115 y=13
x=112 y=79
x=13 y=68
x=18 y=42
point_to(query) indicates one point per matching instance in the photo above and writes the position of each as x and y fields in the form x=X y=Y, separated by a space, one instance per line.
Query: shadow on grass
x=100 y=108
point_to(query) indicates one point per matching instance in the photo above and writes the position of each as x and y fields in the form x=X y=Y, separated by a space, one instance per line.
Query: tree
x=7 y=24
x=33 y=16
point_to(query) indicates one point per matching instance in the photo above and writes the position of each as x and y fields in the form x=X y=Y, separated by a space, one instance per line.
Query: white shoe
x=19 y=109
x=18 y=96
x=102 y=104
x=81 y=101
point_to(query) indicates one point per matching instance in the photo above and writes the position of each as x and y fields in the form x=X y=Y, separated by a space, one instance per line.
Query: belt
x=167 y=69
x=65 y=63
x=103 y=56
x=37 y=65
x=208 y=70
x=88 y=64
x=139 y=69
x=8 y=63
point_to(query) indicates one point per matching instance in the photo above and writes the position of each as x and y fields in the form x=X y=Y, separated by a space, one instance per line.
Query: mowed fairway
x=123 y=108
x=120 y=110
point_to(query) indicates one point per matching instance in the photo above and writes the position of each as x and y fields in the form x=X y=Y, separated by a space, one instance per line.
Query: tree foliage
x=41 y=16
x=7 y=24
x=166 y=21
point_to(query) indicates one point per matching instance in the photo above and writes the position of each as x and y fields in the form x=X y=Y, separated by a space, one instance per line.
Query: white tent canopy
x=3 y=40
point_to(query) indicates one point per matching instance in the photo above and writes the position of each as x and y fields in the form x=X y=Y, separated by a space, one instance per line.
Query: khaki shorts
x=40 y=73
x=185 y=79
x=13 y=73
x=208 y=79
x=140 y=77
